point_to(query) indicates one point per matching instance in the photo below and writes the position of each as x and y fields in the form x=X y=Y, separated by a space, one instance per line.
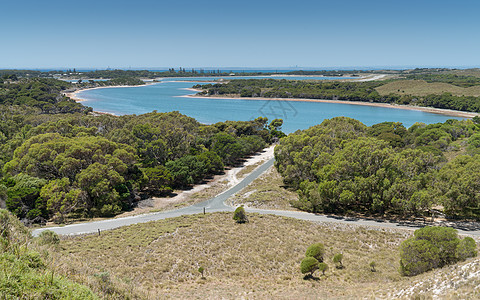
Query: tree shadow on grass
x=311 y=277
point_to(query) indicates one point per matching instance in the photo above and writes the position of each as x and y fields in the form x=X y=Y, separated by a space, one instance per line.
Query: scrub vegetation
x=343 y=166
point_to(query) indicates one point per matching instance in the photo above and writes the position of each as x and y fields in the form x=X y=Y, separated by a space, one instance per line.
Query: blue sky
x=104 y=33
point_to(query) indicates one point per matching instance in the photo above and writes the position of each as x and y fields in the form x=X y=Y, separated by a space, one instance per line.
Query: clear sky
x=242 y=33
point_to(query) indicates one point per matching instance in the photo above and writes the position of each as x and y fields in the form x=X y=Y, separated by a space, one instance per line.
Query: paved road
x=212 y=205
x=216 y=204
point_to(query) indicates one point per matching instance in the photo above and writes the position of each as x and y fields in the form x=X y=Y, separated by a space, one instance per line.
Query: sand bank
x=446 y=112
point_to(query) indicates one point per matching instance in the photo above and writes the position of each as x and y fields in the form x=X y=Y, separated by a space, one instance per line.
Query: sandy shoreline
x=440 y=111
x=74 y=95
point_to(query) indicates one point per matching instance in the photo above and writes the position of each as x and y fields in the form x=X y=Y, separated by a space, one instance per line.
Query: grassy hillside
x=423 y=88
x=266 y=192
x=258 y=259
x=27 y=272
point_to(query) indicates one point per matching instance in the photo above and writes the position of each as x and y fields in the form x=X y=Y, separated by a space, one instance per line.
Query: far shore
x=74 y=95
x=440 y=111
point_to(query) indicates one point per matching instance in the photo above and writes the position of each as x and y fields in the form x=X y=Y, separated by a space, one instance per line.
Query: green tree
x=158 y=179
x=316 y=251
x=323 y=267
x=239 y=215
x=61 y=198
x=337 y=259
x=309 y=265
x=466 y=248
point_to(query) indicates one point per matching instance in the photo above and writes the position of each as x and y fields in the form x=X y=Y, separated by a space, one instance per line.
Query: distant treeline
x=40 y=93
x=342 y=166
x=458 y=80
x=46 y=94
x=334 y=90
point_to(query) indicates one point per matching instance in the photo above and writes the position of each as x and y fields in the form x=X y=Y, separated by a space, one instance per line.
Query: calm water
x=163 y=97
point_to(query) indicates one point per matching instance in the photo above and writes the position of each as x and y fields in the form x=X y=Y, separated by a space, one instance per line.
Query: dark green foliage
x=433 y=247
x=350 y=91
x=239 y=215
x=158 y=180
x=341 y=165
x=42 y=93
x=466 y=248
x=316 y=251
x=186 y=170
x=418 y=256
x=309 y=265
x=101 y=165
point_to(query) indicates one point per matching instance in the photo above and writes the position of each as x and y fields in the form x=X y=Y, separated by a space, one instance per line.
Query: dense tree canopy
x=59 y=166
x=336 y=90
x=342 y=165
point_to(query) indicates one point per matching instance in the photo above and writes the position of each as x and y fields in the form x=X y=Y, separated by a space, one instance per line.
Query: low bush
x=466 y=248
x=316 y=250
x=309 y=265
x=239 y=215
x=48 y=237
x=433 y=247
x=323 y=267
x=337 y=259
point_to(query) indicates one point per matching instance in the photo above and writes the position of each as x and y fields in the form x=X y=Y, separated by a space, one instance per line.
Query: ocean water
x=164 y=97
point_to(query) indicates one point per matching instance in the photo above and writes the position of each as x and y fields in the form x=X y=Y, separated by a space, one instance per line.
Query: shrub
x=323 y=267
x=337 y=259
x=433 y=247
x=418 y=256
x=48 y=237
x=466 y=248
x=239 y=215
x=444 y=238
x=316 y=251
x=309 y=265
x=372 y=266
x=201 y=270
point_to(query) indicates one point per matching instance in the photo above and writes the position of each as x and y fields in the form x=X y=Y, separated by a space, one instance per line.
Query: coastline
x=74 y=95
x=440 y=111
x=447 y=112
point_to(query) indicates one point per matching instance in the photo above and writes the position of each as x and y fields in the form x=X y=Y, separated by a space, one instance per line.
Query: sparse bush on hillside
x=433 y=247
x=372 y=265
x=466 y=248
x=309 y=265
x=316 y=251
x=239 y=215
x=323 y=267
x=48 y=237
x=337 y=259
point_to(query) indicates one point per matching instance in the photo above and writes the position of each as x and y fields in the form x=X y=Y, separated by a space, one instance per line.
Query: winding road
x=216 y=204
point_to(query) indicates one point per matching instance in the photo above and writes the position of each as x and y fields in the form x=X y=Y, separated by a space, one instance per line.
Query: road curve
x=216 y=204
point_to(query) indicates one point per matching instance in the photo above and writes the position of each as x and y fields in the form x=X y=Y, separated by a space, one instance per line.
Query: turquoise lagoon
x=164 y=97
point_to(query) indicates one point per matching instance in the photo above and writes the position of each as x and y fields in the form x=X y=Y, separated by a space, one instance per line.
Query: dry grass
x=466 y=72
x=259 y=259
x=422 y=88
x=460 y=281
x=248 y=169
x=265 y=192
